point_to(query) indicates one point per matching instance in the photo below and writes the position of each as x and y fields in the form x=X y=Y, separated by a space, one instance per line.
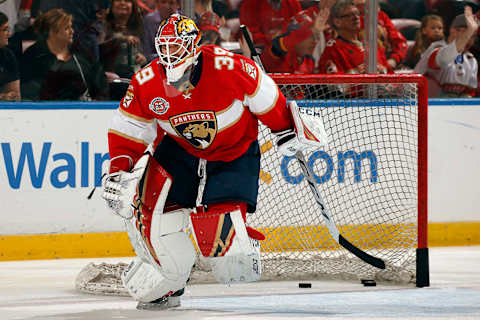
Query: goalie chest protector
x=209 y=120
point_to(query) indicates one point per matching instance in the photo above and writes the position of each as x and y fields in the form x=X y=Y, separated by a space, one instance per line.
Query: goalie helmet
x=176 y=43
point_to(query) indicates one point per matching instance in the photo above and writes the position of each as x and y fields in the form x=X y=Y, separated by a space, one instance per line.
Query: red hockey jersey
x=390 y=39
x=265 y=22
x=342 y=56
x=281 y=57
x=215 y=120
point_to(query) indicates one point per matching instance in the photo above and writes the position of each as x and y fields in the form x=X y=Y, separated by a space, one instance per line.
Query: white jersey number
x=223 y=58
x=144 y=75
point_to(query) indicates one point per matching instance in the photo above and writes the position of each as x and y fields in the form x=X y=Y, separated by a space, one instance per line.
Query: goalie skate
x=162 y=303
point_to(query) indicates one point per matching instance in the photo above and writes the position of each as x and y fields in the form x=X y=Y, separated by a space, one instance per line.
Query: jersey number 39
x=144 y=75
x=223 y=58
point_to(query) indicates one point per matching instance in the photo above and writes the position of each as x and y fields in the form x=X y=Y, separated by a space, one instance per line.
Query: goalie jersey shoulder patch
x=249 y=69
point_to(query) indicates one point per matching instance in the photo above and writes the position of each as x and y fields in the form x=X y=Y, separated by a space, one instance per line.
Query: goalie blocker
x=165 y=253
x=308 y=135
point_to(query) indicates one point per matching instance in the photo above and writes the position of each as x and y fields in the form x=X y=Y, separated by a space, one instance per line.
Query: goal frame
x=422 y=263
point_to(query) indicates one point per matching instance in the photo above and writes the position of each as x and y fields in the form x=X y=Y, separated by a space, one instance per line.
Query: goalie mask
x=176 y=43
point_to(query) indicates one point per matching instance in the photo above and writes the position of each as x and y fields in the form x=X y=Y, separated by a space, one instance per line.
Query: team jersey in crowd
x=457 y=77
x=265 y=22
x=290 y=63
x=216 y=119
x=281 y=57
x=390 y=39
x=343 y=56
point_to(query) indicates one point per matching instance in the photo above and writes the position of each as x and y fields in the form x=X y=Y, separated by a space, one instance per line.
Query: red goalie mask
x=176 y=43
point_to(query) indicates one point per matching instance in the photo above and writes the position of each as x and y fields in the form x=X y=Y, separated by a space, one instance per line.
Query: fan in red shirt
x=389 y=38
x=345 y=54
x=267 y=19
x=292 y=52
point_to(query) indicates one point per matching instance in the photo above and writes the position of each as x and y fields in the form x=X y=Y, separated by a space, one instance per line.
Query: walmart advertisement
x=51 y=158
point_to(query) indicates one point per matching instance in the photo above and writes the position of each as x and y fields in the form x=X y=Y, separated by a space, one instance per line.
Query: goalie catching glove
x=119 y=187
x=308 y=134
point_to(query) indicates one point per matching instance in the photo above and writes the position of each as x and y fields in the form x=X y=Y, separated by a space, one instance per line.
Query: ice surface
x=45 y=290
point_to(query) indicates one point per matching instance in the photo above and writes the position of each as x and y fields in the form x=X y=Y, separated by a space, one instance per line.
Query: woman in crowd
x=52 y=70
x=431 y=30
x=121 y=50
x=9 y=75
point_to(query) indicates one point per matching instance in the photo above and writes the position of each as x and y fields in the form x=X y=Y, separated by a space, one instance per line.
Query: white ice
x=44 y=289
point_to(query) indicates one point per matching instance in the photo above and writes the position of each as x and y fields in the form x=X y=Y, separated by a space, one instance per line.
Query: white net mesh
x=368 y=178
x=102 y=278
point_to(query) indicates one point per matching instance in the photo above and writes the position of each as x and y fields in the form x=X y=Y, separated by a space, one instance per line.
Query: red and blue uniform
x=215 y=118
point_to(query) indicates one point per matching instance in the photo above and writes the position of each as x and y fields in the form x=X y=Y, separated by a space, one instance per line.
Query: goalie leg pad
x=238 y=265
x=227 y=243
x=168 y=262
x=158 y=238
x=174 y=249
x=148 y=200
x=145 y=283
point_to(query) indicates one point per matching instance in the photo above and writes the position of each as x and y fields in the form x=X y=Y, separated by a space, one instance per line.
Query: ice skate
x=165 y=302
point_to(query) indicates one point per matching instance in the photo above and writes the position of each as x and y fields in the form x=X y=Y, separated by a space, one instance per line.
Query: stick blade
x=376 y=262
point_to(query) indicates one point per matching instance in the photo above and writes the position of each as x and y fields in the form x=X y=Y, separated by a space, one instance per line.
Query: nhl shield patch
x=198 y=128
x=159 y=105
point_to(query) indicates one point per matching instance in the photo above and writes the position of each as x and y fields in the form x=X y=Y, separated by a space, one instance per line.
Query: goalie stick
x=332 y=228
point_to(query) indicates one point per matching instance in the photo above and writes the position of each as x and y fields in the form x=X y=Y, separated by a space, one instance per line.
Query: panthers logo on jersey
x=198 y=128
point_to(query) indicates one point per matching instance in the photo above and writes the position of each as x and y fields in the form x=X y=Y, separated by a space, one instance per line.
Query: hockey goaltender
x=184 y=152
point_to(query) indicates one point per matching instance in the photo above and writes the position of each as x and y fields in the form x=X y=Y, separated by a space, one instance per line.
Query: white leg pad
x=242 y=262
x=145 y=279
x=137 y=242
x=174 y=249
x=145 y=283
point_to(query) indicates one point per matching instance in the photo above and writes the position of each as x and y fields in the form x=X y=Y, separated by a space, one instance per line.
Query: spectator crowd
x=88 y=50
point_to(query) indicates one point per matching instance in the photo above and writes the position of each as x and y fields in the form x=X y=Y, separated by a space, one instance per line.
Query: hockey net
x=372 y=176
